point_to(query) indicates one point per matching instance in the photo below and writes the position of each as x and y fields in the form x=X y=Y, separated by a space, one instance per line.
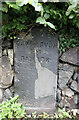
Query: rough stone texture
x=74 y=85
x=6 y=73
x=0 y=51
x=75 y=111
x=78 y=84
x=65 y=73
x=5 y=52
x=70 y=102
x=7 y=43
x=12 y=89
x=71 y=56
x=67 y=92
x=75 y=76
x=10 y=55
x=76 y=99
x=36 y=58
x=67 y=102
x=7 y=93
x=69 y=82
x=59 y=97
x=1 y=95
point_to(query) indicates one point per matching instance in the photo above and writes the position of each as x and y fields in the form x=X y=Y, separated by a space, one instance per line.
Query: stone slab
x=10 y=55
x=71 y=56
x=35 y=60
x=65 y=74
x=6 y=73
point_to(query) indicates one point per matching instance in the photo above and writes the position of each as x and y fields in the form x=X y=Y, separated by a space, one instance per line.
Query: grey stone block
x=36 y=59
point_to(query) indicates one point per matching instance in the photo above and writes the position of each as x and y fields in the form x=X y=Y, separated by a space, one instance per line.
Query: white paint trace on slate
x=46 y=81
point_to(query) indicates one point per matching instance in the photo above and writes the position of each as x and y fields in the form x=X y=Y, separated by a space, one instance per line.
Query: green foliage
x=34 y=114
x=42 y=20
x=45 y=115
x=5 y=8
x=17 y=20
x=62 y=17
x=73 y=12
x=13 y=5
x=68 y=32
x=63 y=114
x=68 y=38
x=34 y=3
x=11 y=109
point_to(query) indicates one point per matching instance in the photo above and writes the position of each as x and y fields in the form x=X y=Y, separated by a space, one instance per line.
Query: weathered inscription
x=36 y=58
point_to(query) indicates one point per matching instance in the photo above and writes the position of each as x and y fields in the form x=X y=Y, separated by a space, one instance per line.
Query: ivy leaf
x=5 y=8
x=70 y=8
x=40 y=20
x=46 y=15
x=16 y=6
x=50 y=25
x=21 y=2
x=13 y=5
x=78 y=24
x=38 y=6
x=71 y=16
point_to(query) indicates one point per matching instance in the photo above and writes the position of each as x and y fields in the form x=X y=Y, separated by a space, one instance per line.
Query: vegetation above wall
x=62 y=17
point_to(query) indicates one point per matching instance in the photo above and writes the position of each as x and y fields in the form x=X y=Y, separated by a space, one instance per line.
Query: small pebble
x=8 y=93
x=75 y=76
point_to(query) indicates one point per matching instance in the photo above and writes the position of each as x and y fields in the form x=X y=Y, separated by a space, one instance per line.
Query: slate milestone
x=36 y=61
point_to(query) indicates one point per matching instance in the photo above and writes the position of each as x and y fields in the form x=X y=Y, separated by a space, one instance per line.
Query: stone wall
x=68 y=76
x=68 y=89
x=6 y=71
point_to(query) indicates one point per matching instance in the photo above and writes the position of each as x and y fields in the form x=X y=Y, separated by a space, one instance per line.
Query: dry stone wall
x=6 y=71
x=68 y=76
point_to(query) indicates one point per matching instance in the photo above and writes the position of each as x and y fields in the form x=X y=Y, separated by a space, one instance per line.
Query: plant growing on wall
x=62 y=17
x=11 y=109
x=73 y=11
